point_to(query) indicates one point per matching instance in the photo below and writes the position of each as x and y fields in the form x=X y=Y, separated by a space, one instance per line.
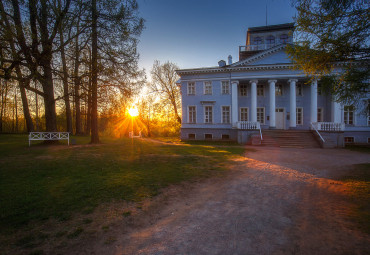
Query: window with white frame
x=270 y=39
x=191 y=88
x=299 y=89
x=319 y=89
x=261 y=115
x=260 y=90
x=320 y=114
x=243 y=114
x=243 y=90
x=192 y=114
x=225 y=114
x=368 y=112
x=299 y=116
x=348 y=114
x=208 y=114
x=207 y=88
x=258 y=41
x=225 y=87
x=278 y=90
x=284 y=38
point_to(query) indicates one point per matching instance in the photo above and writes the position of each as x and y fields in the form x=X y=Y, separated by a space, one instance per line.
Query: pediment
x=275 y=55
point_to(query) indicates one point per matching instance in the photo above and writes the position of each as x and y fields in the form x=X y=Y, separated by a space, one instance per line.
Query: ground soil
x=272 y=201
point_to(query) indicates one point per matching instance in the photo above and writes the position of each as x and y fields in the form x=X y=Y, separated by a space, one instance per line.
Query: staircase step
x=289 y=139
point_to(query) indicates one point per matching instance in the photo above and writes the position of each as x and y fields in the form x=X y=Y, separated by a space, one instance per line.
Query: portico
x=282 y=100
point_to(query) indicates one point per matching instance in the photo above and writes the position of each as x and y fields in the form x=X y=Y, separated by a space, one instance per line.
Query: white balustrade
x=329 y=126
x=248 y=125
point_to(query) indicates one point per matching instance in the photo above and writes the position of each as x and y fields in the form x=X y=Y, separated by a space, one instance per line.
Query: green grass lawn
x=54 y=182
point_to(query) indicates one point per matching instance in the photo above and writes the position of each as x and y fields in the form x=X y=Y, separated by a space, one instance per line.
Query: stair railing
x=259 y=126
x=314 y=127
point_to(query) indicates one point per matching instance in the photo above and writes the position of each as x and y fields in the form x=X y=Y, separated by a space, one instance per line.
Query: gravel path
x=275 y=201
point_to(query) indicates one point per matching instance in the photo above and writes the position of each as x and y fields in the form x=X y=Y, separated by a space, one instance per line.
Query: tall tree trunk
x=26 y=110
x=88 y=117
x=37 y=109
x=77 y=84
x=94 y=75
x=65 y=84
x=4 y=96
x=16 y=111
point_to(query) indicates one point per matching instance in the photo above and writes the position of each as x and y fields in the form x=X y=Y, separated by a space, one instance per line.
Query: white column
x=272 y=103
x=234 y=103
x=314 y=101
x=336 y=112
x=293 y=104
x=253 y=100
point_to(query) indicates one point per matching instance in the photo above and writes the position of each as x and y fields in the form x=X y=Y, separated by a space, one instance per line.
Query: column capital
x=253 y=81
x=272 y=81
x=233 y=82
x=293 y=80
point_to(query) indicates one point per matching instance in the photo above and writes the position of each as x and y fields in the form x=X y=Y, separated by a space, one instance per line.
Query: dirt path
x=275 y=201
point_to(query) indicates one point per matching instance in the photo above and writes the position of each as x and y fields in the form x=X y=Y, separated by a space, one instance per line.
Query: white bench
x=47 y=136
x=131 y=135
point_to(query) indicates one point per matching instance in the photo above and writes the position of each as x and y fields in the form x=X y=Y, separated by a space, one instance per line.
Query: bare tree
x=164 y=80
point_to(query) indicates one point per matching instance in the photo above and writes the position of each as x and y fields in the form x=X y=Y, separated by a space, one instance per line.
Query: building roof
x=272 y=27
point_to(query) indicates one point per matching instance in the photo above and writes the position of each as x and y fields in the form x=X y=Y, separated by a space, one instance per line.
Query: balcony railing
x=260 y=46
x=329 y=126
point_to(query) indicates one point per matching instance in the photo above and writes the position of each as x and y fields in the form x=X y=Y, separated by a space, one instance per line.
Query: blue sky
x=199 y=33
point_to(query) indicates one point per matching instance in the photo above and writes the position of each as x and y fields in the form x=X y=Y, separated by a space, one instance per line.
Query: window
x=243 y=114
x=225 y=87
x=207 y=88
x=261 y=115
x=192 y=114
x=208 y=114
x=260 y=90
x=299 y=116
x=368 y=140
x=225 y=114
x=319 y=89
x=284 y=38
x=368 y=112
x=225 y=137
x=299 y=89
x=320 y=115
x=243 y=90
x=270 y=39
x=191 y=88
x=278 y=90
x=191 y=136
x=257 y=40
x=348 y=139
x=208 y=136
x=348 y=114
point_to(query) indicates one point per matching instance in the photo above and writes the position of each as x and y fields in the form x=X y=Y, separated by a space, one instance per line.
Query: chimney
x=221 y=63
x=230 y=58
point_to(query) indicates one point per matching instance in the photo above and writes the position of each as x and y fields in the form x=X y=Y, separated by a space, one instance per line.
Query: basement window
x=349 y=139
x=225 y=137
x=208 y=136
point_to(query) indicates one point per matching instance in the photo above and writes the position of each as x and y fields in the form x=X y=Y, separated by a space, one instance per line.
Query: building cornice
x=234 y=69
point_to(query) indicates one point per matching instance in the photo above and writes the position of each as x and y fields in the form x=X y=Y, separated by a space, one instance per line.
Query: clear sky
x=199 y=33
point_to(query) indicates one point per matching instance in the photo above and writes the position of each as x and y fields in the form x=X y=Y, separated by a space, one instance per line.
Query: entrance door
x=279 y=116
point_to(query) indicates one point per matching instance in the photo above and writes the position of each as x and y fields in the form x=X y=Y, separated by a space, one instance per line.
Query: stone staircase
x=289 y=139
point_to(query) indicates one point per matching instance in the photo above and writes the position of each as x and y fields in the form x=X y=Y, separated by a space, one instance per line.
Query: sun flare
x=133 y=112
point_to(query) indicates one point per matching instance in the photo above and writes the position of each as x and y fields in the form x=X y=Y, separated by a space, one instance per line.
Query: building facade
x=261 y=91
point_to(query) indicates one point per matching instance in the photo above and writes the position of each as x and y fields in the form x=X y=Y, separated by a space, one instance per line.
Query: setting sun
x=133 y=112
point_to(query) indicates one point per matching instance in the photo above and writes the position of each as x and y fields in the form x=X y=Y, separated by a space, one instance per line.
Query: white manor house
x=262 y=99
